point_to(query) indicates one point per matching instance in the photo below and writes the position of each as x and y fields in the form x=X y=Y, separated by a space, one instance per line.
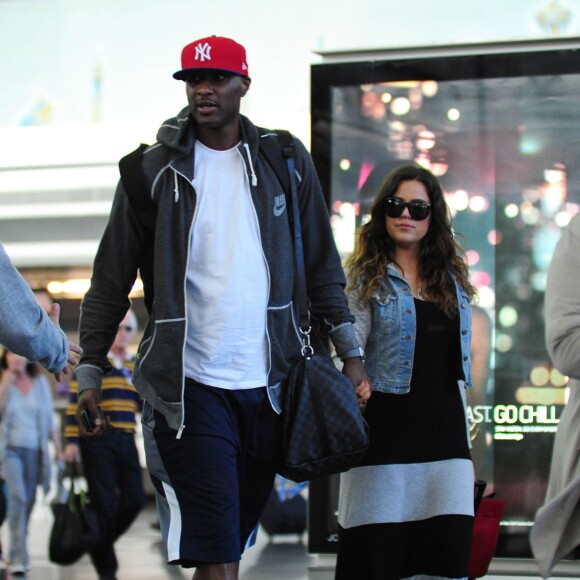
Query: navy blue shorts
x=213 y=483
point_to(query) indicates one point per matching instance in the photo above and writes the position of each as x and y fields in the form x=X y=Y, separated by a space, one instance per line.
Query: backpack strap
x=286 y=142
x=136 y=186
x=137 y=190
x=276 y=154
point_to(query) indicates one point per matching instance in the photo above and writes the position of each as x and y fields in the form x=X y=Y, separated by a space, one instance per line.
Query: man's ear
x=246 y=81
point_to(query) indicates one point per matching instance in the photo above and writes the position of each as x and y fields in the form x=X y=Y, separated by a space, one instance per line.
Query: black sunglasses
x=418 y=209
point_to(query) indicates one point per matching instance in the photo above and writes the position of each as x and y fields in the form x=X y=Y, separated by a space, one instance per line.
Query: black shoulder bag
x=324 y=431
x=75 y=530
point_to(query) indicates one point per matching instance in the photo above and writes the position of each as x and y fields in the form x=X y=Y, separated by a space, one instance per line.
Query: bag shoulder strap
x=137 y=189
x=280 y=157
x=136 y=186
x=288 y=151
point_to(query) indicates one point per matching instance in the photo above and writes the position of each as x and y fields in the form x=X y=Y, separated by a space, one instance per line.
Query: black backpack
x=137 y=189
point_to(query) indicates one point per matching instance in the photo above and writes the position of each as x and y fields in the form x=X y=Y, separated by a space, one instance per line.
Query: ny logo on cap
x=202 y=52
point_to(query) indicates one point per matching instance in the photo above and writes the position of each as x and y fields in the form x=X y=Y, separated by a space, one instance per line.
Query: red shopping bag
x=485 y=533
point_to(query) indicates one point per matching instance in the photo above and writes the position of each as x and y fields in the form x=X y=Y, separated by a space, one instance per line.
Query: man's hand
x=89 y=401
x=355 y=370
x=73 y=348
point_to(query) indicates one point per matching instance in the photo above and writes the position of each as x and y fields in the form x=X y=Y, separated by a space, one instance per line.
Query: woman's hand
x=354 y=369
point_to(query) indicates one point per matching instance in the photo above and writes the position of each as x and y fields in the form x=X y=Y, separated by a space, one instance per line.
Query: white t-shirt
x=227 y=278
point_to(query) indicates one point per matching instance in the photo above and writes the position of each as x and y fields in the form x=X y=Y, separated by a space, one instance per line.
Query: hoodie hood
x=178 y=133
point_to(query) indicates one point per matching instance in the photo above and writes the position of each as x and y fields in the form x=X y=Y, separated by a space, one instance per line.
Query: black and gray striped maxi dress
x=407 y=509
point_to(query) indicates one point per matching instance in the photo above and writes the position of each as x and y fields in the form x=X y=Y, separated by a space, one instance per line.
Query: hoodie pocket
x=160 y=359
x=284 y=336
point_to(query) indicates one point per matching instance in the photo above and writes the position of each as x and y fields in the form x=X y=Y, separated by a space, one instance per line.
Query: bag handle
x=72 y=471
x=480 y=486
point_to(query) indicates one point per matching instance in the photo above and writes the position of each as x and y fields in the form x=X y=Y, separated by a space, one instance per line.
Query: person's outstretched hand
x=73 y=349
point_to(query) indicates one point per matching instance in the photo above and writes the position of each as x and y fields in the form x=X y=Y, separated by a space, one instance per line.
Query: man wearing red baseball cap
x=222 y=332
x=214 y=52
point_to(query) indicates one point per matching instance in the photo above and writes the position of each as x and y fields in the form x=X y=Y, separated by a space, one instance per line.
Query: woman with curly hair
x=407 y=509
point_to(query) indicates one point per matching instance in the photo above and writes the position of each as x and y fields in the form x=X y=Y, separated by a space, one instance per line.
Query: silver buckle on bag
x=307 y=349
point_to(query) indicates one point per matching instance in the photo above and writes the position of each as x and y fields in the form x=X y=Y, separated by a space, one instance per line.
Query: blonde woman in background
x=26 y=427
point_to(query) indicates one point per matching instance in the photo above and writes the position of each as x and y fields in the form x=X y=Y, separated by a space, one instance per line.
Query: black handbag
x=324 y=431
x=75 y=528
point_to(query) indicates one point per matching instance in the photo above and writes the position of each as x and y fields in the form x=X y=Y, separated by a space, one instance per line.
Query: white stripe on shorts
x=174 y=534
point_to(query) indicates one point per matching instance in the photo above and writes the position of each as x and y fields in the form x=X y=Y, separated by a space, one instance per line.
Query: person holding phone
x=111 y=463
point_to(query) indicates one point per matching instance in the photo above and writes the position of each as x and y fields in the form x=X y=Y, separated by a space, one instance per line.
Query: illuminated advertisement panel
x=502 y=133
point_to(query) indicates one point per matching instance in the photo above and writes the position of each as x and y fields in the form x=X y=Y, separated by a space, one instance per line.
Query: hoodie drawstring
x=254 y=178
x=176 y=189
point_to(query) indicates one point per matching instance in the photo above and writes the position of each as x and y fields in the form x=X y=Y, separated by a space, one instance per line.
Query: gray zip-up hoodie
x=170 y=166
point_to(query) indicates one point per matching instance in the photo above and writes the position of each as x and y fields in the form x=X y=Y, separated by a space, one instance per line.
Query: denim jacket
x=25 y=328
x=387 y=328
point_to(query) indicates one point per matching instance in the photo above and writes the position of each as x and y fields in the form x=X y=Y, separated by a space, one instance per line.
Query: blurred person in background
x=111 y=462
x=44 y=298
x=556 y=529
x=27 y=330
x=26 y=427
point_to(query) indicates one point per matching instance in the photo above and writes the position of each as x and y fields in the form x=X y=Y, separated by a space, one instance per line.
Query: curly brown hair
x=439 y=255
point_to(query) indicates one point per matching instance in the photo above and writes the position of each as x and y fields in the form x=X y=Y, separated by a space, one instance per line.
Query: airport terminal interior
x=487 y=99
x=140 y=555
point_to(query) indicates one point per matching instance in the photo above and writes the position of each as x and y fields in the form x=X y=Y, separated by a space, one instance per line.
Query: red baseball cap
x=213 y=52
